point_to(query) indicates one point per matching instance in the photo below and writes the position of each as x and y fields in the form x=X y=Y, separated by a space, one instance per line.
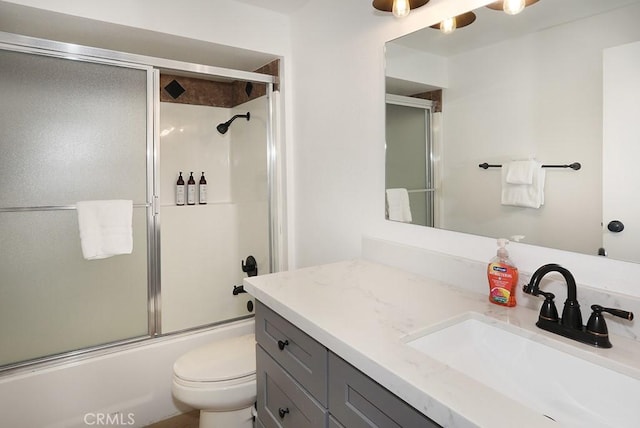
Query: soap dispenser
x=502 y=275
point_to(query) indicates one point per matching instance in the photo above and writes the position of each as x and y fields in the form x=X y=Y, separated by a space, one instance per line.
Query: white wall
x=415 y=66
x=224 y=21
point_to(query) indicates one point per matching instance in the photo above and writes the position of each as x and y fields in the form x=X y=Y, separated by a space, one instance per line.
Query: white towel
x=521 y=172
x=105 y=228
x=398 y=207
x=524 y=195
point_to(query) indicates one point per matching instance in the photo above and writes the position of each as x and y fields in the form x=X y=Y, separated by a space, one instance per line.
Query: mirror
x=558 y=84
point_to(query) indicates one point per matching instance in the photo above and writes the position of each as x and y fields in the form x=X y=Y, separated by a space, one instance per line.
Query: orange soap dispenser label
x=503 y=280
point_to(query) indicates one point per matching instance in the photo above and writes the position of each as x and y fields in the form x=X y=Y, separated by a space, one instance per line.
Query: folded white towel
x=398 y=207
x=105 y=228
x=524 y=195
x=521 y=172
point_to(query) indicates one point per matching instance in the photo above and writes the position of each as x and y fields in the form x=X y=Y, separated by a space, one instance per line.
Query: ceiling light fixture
x=511 y=7
x=400 y=8
x=449 y=25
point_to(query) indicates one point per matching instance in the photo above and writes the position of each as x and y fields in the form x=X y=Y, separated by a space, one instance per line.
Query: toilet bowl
x=219 y=379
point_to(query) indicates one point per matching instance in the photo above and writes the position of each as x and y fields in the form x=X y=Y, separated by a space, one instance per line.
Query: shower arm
x=223 y=127
x=234 y=117
x=248 y=116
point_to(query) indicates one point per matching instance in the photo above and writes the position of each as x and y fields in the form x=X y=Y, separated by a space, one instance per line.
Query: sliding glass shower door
x=77 y=125
x=69 y=131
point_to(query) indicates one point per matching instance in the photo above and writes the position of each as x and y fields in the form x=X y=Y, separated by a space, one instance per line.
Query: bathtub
x=128 y=387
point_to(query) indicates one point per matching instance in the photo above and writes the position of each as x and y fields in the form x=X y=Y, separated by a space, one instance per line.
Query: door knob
x=615 y=226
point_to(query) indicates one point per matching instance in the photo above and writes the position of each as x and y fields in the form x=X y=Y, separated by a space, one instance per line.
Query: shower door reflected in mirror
x=409 y=155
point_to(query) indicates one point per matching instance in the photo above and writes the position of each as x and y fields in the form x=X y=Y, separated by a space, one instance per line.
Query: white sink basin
x=572 y=391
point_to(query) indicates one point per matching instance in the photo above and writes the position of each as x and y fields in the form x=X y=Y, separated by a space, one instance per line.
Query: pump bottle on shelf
x=180 y=190
x=191 y=190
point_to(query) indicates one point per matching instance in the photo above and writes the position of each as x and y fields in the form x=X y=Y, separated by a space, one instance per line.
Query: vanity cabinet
x=302 y=384
x=357 y=401
x=283 y=402
x=291 y=373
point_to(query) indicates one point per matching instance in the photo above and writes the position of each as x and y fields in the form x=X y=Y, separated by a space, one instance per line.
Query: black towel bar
x=574 y=166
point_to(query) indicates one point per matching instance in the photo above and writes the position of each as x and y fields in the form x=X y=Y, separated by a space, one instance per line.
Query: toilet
x=219 y=379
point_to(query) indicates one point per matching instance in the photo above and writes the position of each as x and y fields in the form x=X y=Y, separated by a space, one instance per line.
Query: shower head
x=224 y=127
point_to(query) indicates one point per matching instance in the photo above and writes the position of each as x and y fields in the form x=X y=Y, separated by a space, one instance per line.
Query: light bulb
x=449 y=25
x=513 y=7
x=401 y=8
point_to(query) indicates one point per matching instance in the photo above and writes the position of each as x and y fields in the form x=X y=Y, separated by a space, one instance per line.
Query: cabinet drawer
x=282 y=402
x=303 y=357
x=352 y=395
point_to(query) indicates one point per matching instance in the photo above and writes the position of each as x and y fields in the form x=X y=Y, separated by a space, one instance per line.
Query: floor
x=185 y=420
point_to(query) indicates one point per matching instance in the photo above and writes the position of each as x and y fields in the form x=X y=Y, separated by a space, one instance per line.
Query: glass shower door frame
x=153 y=66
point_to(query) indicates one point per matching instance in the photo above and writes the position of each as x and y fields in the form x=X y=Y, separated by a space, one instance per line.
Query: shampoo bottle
x=180 y=190
x=191 y=190
x=202 y=190
x=503 y=277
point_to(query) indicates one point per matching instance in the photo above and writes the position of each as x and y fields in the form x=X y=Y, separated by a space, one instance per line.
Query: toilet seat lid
x=226 y=359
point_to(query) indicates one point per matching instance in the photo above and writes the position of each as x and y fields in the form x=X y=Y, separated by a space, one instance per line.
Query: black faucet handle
x=613 y=311
x=597 y=327
x=597 y=324
x=548 y=311
x=528 y=288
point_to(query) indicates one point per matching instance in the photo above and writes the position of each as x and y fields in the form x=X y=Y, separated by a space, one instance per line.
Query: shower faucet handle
x=251 y=268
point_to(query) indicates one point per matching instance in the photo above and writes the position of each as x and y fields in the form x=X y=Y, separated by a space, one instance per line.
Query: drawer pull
x=283 y=412
x=282 y=344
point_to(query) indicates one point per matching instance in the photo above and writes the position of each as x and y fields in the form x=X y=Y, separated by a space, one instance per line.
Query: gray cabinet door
x=300 y=355
x=357 y=401
x=282 y=402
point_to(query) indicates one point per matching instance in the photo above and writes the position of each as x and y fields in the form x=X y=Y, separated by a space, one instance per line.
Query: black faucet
x=595 y=333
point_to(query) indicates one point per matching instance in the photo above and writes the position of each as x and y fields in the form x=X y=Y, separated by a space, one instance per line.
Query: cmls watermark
x=109 y=419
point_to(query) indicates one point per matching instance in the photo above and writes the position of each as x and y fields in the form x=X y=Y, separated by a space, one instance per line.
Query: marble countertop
x=362 y=311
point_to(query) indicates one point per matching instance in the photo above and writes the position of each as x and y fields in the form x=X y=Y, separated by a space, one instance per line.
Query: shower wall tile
x=198 y=91
x=435 y=96
x=189 y=142
x=213 y=93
